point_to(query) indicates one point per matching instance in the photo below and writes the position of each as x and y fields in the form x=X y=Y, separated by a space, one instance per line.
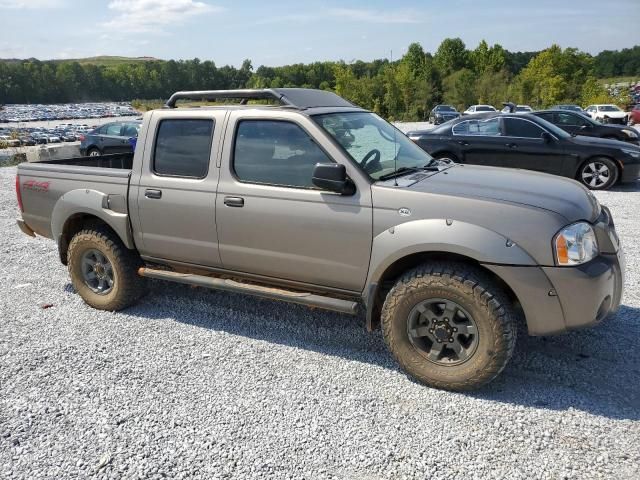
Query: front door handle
x=463 y=142
x=150 y=193
x=511 y=145
x=234 y=201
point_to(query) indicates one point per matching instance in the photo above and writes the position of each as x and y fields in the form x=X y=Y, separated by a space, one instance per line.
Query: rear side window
x=515 y=127
x=113 y=129
x=130 y=130
x=489 y=127
x=569 y=120
x=183 y=148
x=275 y=153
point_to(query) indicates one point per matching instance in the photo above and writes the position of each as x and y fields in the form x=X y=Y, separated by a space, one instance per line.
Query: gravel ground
x=193 y=383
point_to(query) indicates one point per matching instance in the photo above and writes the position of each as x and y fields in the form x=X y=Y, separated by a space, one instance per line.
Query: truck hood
x=539 y=190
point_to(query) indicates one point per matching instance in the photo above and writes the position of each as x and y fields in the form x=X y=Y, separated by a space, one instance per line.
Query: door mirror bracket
x=546 y=137
x=333 y=177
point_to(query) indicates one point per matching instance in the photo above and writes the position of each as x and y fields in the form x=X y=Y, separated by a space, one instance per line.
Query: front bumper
x=630 y=173
x=559 y=299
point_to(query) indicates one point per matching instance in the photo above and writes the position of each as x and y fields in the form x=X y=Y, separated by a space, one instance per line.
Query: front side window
x=515 y=127
x=488 y=127
x=372 y=143
x=183 y=148
x=275 y=153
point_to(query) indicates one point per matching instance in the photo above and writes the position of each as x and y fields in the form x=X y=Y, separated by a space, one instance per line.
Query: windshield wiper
x=398 y=173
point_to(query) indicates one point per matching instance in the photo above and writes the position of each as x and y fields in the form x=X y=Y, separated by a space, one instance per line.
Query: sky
x=283 y=32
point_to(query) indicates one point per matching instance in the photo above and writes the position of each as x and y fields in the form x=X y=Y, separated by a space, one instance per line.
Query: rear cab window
x=183 y=147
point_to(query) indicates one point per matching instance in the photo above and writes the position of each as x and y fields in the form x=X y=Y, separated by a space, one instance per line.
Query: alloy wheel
x=97 y=272
x=596 y=174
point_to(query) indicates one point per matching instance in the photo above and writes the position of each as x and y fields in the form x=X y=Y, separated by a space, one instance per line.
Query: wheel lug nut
x=455 y=329
x=446 y=319
x=451 y=340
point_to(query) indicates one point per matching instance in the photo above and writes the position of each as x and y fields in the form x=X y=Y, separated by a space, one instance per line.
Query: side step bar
x=303 y=298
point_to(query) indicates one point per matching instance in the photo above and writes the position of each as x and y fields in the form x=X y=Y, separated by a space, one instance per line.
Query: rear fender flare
x=92 y=202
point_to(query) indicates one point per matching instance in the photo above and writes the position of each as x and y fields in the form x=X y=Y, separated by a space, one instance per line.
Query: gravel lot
x=193 y=383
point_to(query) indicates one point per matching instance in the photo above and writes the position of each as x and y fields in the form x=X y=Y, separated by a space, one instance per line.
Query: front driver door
x=524 y=147
x=273 y=222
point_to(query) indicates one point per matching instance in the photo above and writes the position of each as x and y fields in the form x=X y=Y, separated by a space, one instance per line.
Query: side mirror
x=546 y=137
x=333 y=177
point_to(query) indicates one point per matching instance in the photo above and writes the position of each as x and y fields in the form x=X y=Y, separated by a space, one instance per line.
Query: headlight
x=630 y=133
x=631 y=153
x=575 y=244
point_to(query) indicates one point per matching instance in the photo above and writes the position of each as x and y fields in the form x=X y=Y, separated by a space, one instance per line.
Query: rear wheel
x=446 y=155
x=598 y=173
x=103 y=271
x=449 y=326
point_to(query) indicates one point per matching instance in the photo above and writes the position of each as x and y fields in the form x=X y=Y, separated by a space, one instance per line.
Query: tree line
x=405 y=89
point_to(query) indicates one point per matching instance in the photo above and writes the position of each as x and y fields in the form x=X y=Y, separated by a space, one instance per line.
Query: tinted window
x=515 y=127
x=275 y=153
x=130 y=130
x=113 y=129
x=484 y=108
x=569 y=120
x=445 y=108
x=489 y=127
x=183 y=148
x=547 y=116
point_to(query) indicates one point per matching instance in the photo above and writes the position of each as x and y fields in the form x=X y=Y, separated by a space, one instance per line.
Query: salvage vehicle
x=578 y=124
x=527 y=141
x=607 y=114
x=309 y=199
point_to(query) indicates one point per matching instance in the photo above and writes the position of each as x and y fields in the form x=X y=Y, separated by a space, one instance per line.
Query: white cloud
x=375 y=16
x=151 y=16
x=30 y=4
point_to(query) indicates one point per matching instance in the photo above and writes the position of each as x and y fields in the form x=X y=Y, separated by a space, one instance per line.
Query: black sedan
x=527 y=141
x=443 y=113
x=578 y=124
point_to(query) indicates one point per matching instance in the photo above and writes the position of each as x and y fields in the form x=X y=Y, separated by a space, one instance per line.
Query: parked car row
x=30 y=136
x=38 y=112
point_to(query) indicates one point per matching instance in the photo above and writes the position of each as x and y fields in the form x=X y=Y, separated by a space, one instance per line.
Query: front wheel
x=598 y=173
x=93 y=152
x=103 y=271
x=449 y=326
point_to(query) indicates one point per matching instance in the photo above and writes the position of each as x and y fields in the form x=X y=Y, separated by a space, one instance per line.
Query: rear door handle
x=463 y=142
x=149 y=193
x=234 y=201
x=511 y=145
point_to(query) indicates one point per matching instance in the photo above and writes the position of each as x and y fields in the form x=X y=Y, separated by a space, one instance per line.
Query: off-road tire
x=479 y=295
x=128 y=286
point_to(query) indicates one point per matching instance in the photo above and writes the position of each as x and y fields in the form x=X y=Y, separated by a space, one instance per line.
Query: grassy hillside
x=105 y=60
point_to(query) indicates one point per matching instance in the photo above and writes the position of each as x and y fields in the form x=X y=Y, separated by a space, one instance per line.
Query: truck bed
x=44 y=185
x=116 y=160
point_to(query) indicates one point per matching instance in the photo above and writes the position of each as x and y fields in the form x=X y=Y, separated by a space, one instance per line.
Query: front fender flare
x=446 y=236
x=91 y=202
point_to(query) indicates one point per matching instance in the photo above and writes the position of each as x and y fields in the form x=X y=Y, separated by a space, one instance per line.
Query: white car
x=519 y=109
x=479 y=109
x=607 y=114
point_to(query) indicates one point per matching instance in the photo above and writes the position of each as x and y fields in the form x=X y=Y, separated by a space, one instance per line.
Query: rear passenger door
x=110 y=139
x=175 y=190
x=273 y=222
x=479 y=140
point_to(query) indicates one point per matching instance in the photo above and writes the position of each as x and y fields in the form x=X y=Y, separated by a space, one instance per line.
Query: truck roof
x=290 y=98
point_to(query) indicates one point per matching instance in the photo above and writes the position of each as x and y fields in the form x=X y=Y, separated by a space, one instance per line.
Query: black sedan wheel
x=598 y=173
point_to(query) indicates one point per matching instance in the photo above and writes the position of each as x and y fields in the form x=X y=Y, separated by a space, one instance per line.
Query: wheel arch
x=390 y=275
x=79 y=208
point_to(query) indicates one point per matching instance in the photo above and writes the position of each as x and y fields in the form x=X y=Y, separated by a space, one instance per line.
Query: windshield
x=574 y=108
x=375 y=145
x=609 y=108
x=445 y=108
x=484 y=108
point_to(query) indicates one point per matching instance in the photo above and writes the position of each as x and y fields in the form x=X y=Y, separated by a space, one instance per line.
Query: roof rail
x=300 y=98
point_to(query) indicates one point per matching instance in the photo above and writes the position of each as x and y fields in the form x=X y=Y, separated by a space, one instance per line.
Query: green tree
x=451 y=56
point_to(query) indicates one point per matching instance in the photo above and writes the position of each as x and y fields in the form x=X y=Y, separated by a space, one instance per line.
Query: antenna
x=395 y=144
